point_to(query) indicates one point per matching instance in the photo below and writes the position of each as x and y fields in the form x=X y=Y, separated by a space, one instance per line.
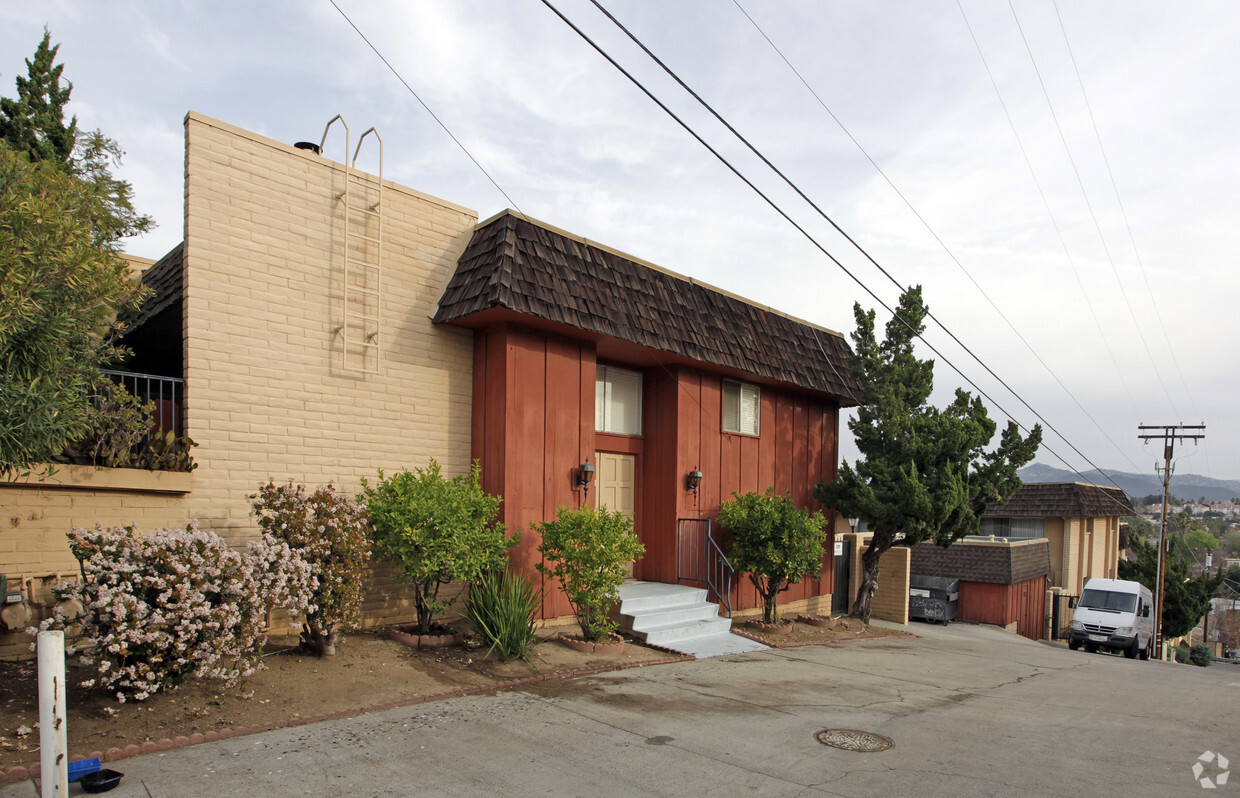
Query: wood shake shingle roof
x=1063 y=500
x=998 y=563
x=535 y=271
x=164 y=279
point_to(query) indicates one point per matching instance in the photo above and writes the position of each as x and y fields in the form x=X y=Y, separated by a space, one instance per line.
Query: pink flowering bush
x=171 y=604
x=329 y=531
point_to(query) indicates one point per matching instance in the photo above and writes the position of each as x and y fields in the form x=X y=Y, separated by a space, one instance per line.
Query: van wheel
x=1145 y=652
x=1131 y=651
x=1073 y=644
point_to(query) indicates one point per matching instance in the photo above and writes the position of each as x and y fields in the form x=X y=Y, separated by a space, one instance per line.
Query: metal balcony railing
x=167 y=394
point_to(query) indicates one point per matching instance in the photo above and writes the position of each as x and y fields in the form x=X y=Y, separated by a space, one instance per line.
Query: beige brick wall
x=38 y=514
x=266 y=395
x=890 y=602
x=1072 y=553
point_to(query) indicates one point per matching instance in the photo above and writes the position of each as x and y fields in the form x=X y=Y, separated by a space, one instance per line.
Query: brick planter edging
x=20 y=773
x=782 y=627
x=426 y=641
x=614 y=647
x=818 y=620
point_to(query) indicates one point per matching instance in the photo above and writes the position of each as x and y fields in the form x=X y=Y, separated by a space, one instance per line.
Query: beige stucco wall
x=266 y=395
x=39 y=512
x=1081 y=549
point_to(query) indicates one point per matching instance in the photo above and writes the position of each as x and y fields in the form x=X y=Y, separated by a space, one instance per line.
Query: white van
x=1115 y=614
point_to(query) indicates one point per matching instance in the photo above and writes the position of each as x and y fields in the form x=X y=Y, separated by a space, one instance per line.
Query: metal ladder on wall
x=361 y=201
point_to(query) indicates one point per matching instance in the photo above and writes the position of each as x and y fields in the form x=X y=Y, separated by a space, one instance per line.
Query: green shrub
x=502 y=608
x=589 y=551
x=1181 y=653
x=118 y=422
x=1200 y=655
x=172 y=605
x=774 y=542
x=329 y=532
x=435 y=531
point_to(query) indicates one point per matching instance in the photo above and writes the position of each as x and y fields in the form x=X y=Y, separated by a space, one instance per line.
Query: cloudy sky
x=1061 y=178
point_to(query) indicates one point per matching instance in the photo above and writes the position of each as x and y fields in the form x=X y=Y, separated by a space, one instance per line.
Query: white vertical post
x=53 y=731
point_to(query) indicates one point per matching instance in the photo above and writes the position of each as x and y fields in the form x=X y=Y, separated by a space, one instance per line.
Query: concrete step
x=680 y=618
x=638 y=596
x=671 y=633
x=642 y=620
x=716 y=645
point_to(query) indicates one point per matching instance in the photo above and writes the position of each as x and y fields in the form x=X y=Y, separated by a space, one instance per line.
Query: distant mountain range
x=1188 y=487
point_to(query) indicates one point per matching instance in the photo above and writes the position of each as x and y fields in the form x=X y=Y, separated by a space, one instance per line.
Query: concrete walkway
x=971 y=710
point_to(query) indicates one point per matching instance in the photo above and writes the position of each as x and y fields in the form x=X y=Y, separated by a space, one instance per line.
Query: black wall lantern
x=693 y=481
x=585 y=475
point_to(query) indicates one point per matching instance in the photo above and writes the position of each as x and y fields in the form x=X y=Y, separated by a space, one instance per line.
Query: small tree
x=776 y=543
x=1200 y=655
x=588 y=551
x=926 y=471
x=329 y=532
x=435 y=531
x=1186 y=600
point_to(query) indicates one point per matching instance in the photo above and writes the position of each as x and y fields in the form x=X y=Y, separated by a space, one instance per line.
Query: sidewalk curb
x=21 y=773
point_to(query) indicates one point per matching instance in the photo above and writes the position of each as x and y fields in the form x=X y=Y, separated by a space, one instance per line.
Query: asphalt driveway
x=970 y=710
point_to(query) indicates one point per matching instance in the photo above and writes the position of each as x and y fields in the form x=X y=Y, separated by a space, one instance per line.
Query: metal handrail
x=703 y=561
x=165 y=393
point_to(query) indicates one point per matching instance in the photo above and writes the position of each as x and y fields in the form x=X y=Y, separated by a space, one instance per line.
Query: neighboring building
x=1001 y=583
x=318 y=324
x=1080 y=521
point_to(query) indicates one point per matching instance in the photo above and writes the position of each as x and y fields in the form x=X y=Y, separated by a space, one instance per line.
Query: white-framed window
x=618 y=401
x=741 y=403
x=1014 y=528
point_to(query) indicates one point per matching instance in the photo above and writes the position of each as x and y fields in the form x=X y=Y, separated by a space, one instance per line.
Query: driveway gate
x=1061 y=614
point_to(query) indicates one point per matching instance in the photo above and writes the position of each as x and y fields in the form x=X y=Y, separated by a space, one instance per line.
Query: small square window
x=741 y=403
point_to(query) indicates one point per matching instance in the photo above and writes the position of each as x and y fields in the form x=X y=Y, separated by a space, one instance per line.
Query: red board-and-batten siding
x=1022 y=603
x=533 y=424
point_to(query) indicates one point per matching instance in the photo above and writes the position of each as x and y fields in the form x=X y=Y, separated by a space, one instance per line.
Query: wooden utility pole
x=1169 y=436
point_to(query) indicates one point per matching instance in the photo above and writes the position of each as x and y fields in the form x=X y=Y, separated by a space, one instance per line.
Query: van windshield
x=1108 y=600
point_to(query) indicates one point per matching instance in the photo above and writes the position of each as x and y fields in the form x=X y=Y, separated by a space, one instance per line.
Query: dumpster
x=933 y=598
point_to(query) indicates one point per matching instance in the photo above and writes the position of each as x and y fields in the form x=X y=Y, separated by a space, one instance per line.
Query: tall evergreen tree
x=1187 y=600
x=62 y=280
x=34 y=123
x=926 y=471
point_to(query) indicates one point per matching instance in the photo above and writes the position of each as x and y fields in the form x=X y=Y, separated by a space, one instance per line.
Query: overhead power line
x=1123 y=212
x=726 y=163
x=1063 y=243
x=427 y=108
x=933 y=234
x=800 y=229
x=1090 y=206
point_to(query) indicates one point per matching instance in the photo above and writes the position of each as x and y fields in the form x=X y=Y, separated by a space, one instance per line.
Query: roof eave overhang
x=626 y=352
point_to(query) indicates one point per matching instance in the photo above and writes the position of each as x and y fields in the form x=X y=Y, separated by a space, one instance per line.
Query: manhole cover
x=854 y=740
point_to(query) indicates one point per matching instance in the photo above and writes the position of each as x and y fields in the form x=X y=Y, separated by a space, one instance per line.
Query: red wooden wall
x=1022 y=603
x=533 y=424
x=795 y=448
